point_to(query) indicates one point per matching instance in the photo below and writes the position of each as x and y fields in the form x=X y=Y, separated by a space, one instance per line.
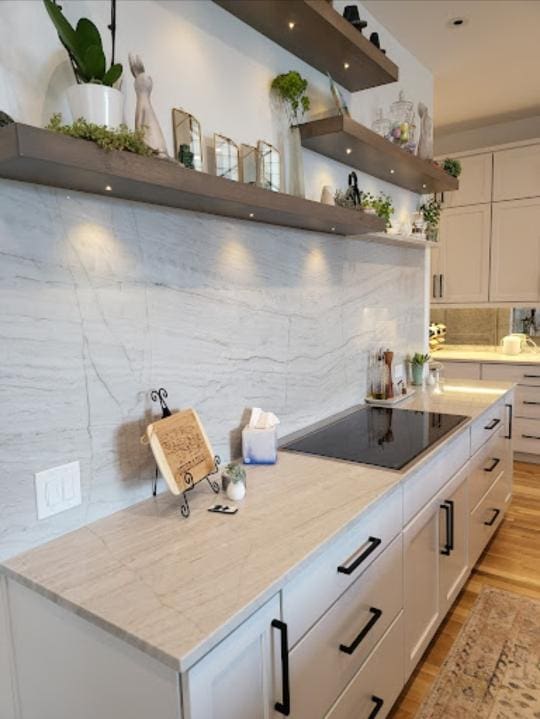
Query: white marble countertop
x=174 y=587
x=485 y=355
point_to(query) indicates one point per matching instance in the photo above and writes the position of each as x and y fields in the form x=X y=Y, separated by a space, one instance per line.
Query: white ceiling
x=487 y=69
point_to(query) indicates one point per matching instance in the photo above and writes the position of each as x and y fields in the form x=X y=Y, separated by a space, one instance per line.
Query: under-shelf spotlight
x=332 y=229
x=392 y=171
x=424 y=186
x=291 y=25
x=348 y=151
x=346 y=65
x=108 y=188
x=252 y=214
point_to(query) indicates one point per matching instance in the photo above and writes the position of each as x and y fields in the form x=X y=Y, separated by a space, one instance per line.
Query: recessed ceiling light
x=108 y=188
x=457 y=22
x=346 y=65
x=291 y=25
x=348 y=151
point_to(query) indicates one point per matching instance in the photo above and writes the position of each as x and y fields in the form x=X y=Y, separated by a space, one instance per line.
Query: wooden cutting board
x=181 y=448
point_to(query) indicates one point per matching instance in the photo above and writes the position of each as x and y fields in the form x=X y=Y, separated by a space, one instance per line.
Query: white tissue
x=262 y=420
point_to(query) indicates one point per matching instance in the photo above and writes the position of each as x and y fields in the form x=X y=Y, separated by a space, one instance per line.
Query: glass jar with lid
x=382 y=124
x=401 y=112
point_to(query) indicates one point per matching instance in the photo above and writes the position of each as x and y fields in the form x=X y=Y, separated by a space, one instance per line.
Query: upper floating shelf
x=31 y=154
x=347 y=141
x=313 y=31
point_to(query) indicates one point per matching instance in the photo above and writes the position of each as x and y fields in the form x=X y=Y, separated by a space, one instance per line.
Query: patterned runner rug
x=493 y=669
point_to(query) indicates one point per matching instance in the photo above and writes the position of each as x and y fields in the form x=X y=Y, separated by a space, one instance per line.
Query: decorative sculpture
x=145 y=117
x=425 y=143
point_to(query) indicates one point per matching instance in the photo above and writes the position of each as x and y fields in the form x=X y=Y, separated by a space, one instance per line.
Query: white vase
x=295 y=164
x=236 y=491
x=98 y=104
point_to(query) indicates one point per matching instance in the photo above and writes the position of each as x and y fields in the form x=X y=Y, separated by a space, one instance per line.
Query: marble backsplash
x=103 y=300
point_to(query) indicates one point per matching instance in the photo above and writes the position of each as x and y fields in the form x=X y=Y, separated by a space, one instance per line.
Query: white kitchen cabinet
x=242 y=677
x=485 y=519
x=474 y=182
x=515 y=251
x=516 y=173
x=453 y=539
x=459 y=370
x=460 y=265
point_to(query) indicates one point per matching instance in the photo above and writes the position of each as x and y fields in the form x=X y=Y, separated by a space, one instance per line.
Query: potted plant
x=94 y=97
x=418 y=361
x=290 y=88
x=452 y=167
x=381 y=206
x=233 y=480
x=431 y=212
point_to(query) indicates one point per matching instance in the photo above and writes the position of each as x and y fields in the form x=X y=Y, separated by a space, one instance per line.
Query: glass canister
x=381 y=124
x=401 y=112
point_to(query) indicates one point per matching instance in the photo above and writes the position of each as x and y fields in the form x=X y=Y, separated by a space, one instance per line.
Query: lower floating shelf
x=31 y=154
x=404 y=240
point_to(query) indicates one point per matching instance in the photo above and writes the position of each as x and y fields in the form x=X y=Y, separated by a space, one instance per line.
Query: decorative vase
x=97 y=104
x=236 y=491
x=295 y=164
x=417 y=374
x=432 y=233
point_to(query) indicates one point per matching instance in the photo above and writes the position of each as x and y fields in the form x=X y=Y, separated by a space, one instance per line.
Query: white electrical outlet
x=58 y=489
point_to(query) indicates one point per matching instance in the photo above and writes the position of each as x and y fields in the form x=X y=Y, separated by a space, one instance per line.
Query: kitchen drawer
x=320 y=668
x=459 y=370
x=522 y=374
x=378 y=683
x=485 y=519
x=316 y=588
x=527 y=402
x=424 y=484
x=491 y=460
x=527 y=435
x=491 y=423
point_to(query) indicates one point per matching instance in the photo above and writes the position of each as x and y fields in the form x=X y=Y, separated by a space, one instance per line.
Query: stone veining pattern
x=104 y=299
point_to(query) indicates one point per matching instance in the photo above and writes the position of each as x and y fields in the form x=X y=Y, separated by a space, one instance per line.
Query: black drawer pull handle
x=529 y=436
x=496 y=461
x=491 y=522
x=510 y=420
x=532 y=376
x=448 y=508
x=284 y=707
x=492 y=424
x=350 y=648
x=526 y=401
x=373 y=544
x=378 y=706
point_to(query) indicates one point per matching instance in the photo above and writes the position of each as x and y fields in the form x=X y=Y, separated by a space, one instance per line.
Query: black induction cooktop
x=382 y=436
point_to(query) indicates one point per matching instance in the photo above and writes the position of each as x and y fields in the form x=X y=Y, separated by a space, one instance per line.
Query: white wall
x=104 y=299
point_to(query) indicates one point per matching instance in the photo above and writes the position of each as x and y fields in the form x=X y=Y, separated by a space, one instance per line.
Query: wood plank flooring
x=511 y=561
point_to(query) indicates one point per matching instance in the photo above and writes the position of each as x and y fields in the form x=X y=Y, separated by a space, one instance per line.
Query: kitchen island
x=237 y=616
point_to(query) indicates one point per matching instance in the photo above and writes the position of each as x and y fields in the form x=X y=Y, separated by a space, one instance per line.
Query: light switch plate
x=58 y=489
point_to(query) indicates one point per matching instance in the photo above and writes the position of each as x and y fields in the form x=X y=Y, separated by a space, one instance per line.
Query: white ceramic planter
x=236 y=491
x=99 y=104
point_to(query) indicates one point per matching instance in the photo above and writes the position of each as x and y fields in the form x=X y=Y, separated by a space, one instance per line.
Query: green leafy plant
x=431 y=212
x=419 y=359
x=121 y=138
x=84 y=47
x=452 y=167
x=381 y=204
x=235 y=472
x=291 y=89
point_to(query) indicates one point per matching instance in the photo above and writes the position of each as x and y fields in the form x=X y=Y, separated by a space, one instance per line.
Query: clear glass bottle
x=381 y=124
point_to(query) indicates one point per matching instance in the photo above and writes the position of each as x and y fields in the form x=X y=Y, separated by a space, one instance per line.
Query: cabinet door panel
x=474 y=182
x=516 y=173
x=453 y=566
x=515 y=251
x=464 y=254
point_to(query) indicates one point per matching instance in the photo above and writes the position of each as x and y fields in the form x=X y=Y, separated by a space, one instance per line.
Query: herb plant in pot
x=94 y=98
x=431 y=212
x=234 y=481
x=418 y=362
x=290 y=88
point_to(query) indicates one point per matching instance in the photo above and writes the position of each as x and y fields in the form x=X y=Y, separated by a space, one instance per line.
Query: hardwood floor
x=511 y=561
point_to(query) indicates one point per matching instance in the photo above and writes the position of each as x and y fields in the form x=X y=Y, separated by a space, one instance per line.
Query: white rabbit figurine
x=145 y=117
x=425 y=143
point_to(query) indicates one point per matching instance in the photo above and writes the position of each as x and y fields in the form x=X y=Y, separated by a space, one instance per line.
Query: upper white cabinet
x=515 y=251
x=240 y=678
x=460 y=265
x=516 y=173
x=474 y=182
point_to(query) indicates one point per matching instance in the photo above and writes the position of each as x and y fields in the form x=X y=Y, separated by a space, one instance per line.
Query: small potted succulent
x=94 y=97
x=431 y=213
x=418 y=362
x=233 y=479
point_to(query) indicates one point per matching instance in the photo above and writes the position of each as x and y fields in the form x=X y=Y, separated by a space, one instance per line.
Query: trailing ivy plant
x=431 y=212
x=84 y=47
x=291 y=88
x=121 y=138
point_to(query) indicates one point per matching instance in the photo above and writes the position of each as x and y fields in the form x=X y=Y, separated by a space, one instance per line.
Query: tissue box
x=259 y=446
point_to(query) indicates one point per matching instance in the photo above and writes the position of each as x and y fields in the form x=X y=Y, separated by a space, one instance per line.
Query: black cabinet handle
x=511 y=420
x=496 y=461
x=525 y=401
x=434 y=287
x=441 y=286
x=491 y=522
x=377 y=708
x=532 y=376
x=448 y=508
x=529 y=436
x=492 y=424
x=284 y=707
x=373 y=544
x=350 y=648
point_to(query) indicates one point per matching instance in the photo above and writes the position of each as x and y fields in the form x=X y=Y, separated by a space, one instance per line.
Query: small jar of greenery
x=418 y=362
x=431 y=213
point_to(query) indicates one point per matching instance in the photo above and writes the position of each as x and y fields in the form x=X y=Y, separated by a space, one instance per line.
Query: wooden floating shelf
x=31 y=154
x=382 y=238
x=347 y=141
x=320 y=37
